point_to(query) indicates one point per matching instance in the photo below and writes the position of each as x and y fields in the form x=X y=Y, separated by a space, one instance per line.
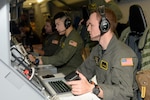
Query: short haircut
x=111 y=17
x=59 y=15
x=49 y=20
x=51 y=23
x=62 y=15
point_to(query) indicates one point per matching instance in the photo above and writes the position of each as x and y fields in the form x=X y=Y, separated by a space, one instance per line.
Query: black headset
x=67 y=22
x=104 y=24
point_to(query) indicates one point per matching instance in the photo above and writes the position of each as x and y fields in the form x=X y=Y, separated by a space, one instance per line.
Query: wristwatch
x=37 y=61
x=96 y=90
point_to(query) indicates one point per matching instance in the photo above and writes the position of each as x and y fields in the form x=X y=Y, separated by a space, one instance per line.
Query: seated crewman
x=68 y=57
x=113 y=62
x=50 y=43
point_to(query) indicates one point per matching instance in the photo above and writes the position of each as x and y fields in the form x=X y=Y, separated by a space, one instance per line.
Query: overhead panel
x=58 y=4
x=69 y=4
x=63 y=4
x=73 y=1
x=28 y=3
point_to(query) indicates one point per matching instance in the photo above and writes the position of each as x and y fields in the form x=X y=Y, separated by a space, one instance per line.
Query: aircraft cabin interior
x=23 y=80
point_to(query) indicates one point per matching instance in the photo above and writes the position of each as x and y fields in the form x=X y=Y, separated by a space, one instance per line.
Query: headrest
x=137 y=19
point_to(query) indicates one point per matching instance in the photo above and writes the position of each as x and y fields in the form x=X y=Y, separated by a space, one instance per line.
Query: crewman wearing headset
x=69 y=56
x=111 y=61
x=50 y=43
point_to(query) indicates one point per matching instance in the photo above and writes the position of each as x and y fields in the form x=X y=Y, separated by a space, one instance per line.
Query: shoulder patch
x=73 y=43
x=126 y=62
x=55 y=41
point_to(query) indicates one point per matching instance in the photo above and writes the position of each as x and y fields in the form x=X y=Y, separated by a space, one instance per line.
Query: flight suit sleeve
x=50 y=49
x=51 y=44
x=87 y=68
x=122 y=83
x=63 y=56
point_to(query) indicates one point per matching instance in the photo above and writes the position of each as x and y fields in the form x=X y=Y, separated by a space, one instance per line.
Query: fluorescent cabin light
x=39 y=1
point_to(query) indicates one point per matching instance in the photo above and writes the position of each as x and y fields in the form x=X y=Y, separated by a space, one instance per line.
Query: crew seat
x=137 y=36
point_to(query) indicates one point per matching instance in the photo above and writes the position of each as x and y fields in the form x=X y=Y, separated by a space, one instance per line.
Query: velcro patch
x=55 y=41
x=96 y=58
x=104 y=65
x=73 y=43
x=126 y=62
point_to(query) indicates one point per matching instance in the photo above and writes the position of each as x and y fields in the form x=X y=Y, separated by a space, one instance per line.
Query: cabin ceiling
x=63 y=4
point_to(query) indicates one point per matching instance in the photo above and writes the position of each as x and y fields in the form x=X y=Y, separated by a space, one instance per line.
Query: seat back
x=137 y=36
x=137 y=25
x=85 y=52
x=137 y=21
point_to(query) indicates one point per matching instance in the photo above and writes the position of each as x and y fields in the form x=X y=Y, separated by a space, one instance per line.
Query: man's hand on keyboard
x=81 y=86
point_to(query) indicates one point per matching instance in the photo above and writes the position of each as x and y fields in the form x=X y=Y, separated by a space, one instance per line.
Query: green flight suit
x=51 y=44
x=112 y=5
x=115 y=74
x=69 y=57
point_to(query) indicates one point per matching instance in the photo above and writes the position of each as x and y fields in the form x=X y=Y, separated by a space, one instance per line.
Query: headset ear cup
x=104 y=25
x=67 y=23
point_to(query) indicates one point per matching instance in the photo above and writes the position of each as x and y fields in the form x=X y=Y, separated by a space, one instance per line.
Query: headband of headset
x=104 y=24
x=67 y=22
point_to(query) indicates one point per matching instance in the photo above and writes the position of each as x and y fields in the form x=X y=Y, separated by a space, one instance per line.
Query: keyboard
x=59 y=86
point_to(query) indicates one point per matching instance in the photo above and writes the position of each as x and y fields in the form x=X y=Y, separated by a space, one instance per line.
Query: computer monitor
x=19 y=55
